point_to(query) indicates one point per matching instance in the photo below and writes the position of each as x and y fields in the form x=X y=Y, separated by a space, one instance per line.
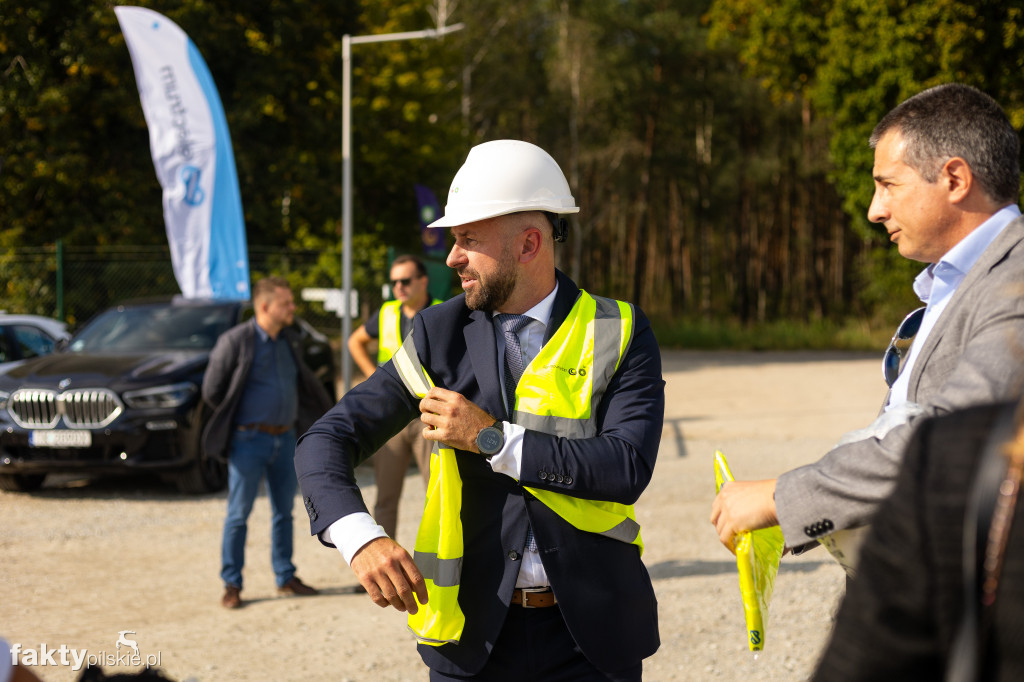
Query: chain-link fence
x=75 y=283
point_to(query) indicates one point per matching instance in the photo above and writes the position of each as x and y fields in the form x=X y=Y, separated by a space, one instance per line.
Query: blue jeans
x=253 y=454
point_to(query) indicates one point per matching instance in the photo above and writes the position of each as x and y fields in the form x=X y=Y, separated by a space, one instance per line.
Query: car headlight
x=172 y=395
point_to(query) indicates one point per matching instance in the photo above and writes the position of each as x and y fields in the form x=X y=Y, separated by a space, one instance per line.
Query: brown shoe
x=232 y=598
x=296 y=588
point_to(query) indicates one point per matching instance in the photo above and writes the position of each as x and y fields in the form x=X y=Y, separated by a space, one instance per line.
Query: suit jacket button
x=310 y=509
x=568 y=480
x=808 y=531
x=513 y=555
x=560 y=478
x=828 y=525
x=543 y=475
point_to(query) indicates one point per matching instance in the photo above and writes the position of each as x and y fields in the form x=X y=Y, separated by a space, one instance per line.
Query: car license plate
x=60 y=439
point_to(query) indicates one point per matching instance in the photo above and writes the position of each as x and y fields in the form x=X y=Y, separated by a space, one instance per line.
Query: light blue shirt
x=938 y=282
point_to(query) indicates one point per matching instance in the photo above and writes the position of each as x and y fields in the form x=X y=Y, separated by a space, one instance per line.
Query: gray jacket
x=974 y=355
x=224 y=383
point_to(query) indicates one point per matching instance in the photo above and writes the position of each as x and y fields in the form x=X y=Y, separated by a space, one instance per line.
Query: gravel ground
x=86 y=560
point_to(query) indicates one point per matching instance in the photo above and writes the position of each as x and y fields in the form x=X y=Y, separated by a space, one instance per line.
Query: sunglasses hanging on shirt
x=900 y=345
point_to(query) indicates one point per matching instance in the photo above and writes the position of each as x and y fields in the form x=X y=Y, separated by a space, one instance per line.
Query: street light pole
x=347 y=42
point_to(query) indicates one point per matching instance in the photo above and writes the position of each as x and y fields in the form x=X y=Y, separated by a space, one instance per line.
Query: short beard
x=492 y=295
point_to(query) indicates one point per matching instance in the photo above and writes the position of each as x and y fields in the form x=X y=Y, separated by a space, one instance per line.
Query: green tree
x=853 y=60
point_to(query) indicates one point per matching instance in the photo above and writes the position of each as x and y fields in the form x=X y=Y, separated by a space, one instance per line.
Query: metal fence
x=75 y=283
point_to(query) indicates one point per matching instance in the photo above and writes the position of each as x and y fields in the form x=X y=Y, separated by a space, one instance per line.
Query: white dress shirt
x=938 y=282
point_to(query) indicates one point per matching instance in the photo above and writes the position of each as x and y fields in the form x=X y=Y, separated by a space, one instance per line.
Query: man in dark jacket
x=262 y=395
x=548 y=403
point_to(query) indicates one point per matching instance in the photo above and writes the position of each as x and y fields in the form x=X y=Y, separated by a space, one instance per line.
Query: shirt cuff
x=351 y=533
x=509 y=460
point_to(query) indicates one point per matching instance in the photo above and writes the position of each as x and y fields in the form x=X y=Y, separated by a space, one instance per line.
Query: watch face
x=490 y=440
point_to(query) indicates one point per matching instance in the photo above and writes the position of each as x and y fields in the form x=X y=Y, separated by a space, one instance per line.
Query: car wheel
x=205 y=475
x=21 y=483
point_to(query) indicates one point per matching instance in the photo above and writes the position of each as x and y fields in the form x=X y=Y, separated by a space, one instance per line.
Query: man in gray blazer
x=946 y=188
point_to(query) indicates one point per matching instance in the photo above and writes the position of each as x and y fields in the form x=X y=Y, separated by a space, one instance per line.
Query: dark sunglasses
x=899 y=345
x=404 y=282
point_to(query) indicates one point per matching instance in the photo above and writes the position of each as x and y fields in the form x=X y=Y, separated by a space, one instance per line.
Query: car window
x=32 y=341
x=140 y=328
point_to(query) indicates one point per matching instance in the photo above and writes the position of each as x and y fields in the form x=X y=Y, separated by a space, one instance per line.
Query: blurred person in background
x=388 y=326
x=262 y=395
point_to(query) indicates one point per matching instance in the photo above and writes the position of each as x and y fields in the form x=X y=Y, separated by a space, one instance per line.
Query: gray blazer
x=974 y=355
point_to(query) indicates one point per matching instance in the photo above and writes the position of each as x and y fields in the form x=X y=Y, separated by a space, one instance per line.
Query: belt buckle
x=532 y=590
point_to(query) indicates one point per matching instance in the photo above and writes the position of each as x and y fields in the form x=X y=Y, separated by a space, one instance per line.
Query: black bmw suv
x=124 y=395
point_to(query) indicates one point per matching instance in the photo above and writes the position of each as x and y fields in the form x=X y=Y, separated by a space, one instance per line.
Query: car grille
x=83 y=408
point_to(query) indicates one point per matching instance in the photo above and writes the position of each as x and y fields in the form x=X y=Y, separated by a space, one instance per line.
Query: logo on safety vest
x=571 y=371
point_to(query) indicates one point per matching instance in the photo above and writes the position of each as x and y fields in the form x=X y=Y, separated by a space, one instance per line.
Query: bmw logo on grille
x=64 y=383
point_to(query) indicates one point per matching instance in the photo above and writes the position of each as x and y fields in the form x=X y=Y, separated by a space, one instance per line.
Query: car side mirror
x=60 y=345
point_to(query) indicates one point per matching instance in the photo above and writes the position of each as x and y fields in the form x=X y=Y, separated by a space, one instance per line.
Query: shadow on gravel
x=675 y=426
x=685 y=569
x=142 y=486
x=128 y=486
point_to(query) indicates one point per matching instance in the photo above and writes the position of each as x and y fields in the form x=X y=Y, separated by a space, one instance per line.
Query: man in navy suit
x=546 y=590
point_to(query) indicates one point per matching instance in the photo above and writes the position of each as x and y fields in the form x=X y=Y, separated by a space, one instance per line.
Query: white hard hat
x=502 y=177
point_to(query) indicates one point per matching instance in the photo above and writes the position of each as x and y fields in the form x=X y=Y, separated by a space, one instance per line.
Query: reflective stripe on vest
x=439 y=548
x=559 y=392
x=389 y=334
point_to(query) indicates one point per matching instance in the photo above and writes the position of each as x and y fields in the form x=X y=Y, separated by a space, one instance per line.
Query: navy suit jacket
x=602 y=587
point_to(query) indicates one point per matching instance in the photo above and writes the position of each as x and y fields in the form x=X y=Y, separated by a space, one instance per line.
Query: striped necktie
x=512 y=325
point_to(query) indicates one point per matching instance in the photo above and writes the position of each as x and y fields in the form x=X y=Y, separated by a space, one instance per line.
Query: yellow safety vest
x=389 y=336
x=558 y=394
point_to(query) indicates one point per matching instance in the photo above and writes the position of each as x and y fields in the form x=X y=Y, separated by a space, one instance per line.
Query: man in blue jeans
x=263 y=395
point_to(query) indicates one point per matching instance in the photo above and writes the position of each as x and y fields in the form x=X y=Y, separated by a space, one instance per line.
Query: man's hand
x=741 y=506
x=452 y=419
x=389 y=575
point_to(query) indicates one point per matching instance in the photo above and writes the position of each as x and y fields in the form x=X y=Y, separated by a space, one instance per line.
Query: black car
x=124 y=395
x=27 y=336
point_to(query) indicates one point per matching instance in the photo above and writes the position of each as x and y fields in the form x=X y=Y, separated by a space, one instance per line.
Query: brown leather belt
x=533 y=597
x=272 y=429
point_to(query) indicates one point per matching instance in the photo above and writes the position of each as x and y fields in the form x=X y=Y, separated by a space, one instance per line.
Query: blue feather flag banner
x=191 y=148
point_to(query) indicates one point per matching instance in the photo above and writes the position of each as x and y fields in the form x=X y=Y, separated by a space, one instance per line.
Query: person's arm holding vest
x=616 y=465
x=325 y=459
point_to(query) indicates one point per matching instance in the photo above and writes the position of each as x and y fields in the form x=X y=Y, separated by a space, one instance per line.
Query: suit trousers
x=390 y=465
x=535 y=645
